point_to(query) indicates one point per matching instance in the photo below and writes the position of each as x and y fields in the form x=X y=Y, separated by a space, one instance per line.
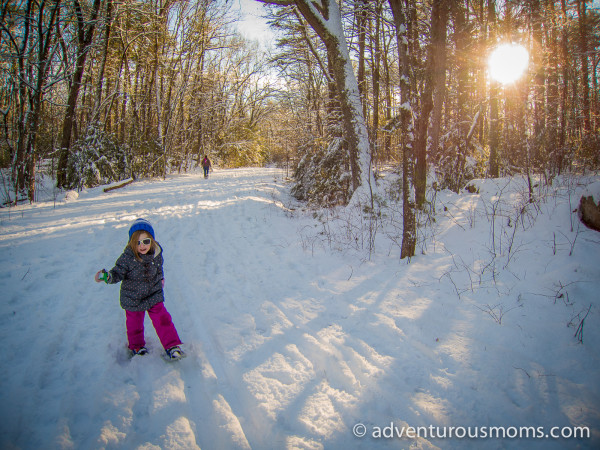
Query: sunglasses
x=146 y=241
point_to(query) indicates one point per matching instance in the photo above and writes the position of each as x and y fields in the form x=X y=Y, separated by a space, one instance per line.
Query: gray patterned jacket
x=141 y=286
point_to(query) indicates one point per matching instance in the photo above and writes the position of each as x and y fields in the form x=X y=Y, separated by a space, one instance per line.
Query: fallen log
x=118 y=186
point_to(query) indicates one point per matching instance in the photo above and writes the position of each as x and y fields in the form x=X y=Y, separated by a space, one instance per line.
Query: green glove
x=104 y=276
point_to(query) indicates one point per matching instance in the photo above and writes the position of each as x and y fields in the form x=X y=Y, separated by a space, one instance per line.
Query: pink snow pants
x=163 y=324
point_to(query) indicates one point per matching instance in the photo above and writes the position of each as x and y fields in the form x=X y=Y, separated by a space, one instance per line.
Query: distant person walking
x=206 y=165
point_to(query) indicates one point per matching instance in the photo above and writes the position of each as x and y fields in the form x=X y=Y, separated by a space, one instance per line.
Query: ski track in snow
x=287 y=348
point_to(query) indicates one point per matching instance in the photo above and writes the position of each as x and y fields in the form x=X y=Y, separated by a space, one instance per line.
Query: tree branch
x=312 y=48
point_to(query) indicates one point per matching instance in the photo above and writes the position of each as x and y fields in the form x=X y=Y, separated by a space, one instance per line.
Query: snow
x=292 y=344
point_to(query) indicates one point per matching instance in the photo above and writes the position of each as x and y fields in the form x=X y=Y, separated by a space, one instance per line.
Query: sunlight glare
x=508 y=62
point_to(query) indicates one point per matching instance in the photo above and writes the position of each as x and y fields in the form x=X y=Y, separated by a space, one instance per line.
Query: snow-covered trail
x=241 y=294
x=289 y=346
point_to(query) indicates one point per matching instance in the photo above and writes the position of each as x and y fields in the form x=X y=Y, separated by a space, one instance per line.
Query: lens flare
x=508 y=62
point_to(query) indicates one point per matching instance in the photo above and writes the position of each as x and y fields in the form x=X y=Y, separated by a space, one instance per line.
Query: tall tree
x=362 y=18
x=96 y=110
x=437 y=30
x=85 y=33
x=539 y=82
x=28 y=37
x=494 y=163
x=326 y=20
x=462 y=41
x=551 y=141
x=439 y=82
x=583 y=48
x=376 y=75
x=409 y=229
x=45 y=41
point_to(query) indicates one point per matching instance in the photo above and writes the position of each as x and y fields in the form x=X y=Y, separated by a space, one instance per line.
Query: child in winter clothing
x=140 y=271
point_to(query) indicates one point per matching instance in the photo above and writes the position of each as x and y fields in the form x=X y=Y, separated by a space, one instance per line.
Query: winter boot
x=175 y=353
x=140 y=351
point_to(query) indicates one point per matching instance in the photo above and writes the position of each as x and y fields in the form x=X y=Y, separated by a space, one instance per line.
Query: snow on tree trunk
x=326 y=20
x=355 y=126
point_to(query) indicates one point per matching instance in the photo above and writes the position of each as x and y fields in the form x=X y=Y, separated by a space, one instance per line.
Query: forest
x=99 y=91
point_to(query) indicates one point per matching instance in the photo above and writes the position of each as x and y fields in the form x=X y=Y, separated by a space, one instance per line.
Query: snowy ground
x=292 y=344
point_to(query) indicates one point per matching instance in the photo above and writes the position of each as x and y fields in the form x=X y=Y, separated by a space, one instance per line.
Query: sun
x=508 y=62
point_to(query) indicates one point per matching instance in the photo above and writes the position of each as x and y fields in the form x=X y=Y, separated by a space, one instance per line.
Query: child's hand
x=100 y=276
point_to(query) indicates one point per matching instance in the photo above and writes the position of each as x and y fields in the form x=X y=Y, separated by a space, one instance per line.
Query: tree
x=409 y=229
x=164 y=81
x=28 y=36
x=439 y=17
x=376 y=71
x=326 y=20
x=494 y=164
x=97 y=108
x=583 y=49
x=85 y=33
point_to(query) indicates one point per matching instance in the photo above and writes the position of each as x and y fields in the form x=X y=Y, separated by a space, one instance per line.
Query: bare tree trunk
x=159 y=115
x=100 y=80
x=85 y=36
x=388 y=107
x=461 y=39
x=361 y=15
x=439 y=95
x=551 y=142
x=409 y=230
x=564 y=86
x=585 y=78
x=43 y=65
x=18 y=163
x=31 y=46
x=376 y=83
x=439 y=18
x=494 y=163
x=539 y=96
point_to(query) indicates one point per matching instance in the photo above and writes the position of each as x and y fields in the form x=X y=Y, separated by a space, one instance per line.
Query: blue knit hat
x=143 y=225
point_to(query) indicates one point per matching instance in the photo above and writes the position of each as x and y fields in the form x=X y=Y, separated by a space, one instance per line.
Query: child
x=140 y=269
